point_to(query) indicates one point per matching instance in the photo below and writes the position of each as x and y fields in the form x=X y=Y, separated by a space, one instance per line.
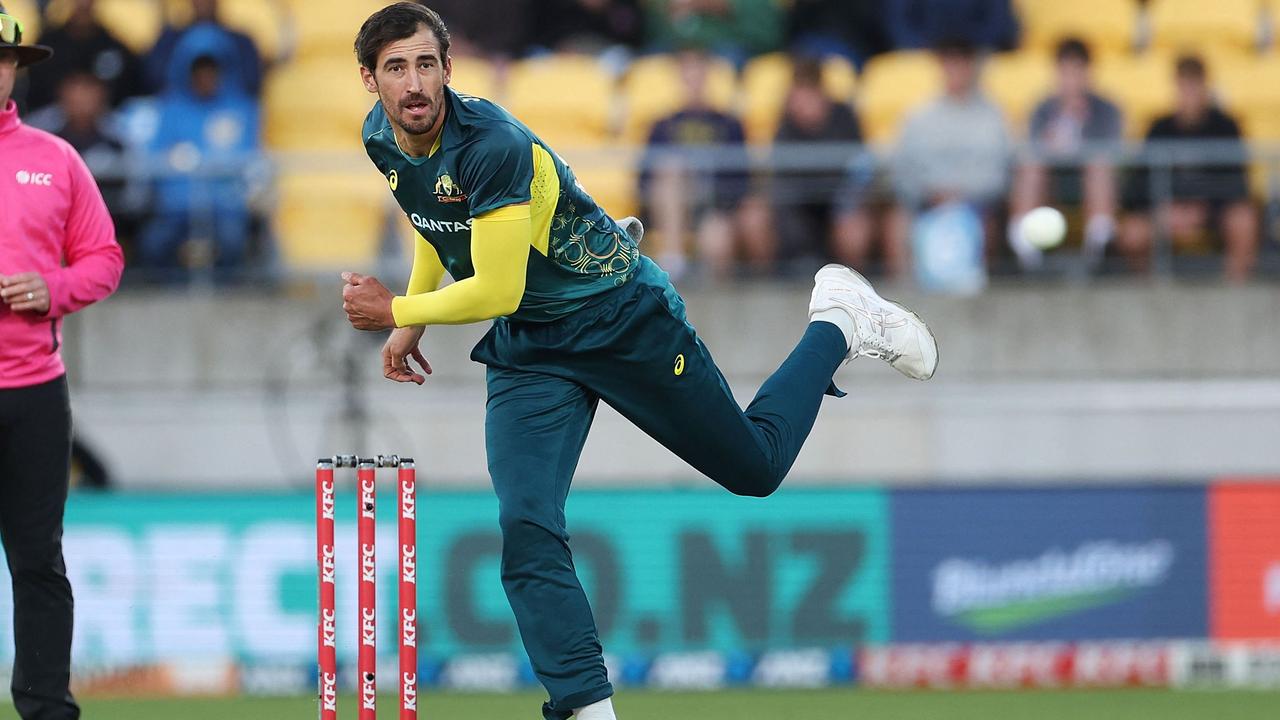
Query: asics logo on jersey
x=679 y=368
x=393 y=179
x=447 y=191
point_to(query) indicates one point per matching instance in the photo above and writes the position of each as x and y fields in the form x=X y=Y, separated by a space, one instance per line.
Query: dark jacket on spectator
x=99 y=53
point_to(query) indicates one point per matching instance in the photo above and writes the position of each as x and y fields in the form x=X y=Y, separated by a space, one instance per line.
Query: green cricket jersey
x=487 y=159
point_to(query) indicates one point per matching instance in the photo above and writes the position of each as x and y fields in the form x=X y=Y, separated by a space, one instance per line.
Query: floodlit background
x=1086 y=496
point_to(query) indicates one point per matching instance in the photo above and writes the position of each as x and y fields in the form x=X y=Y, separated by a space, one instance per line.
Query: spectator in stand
x=1203 y=194
x=1077 y=128
x=819 y=211
x=83 y=45
x=589 y=26
x=849 y=28
x=735 y=29
x=919 y=24
x=207 y=137
x=473 y=31
x=695 y=180
x=82 y=118
x=956 y=149
x=248 y=62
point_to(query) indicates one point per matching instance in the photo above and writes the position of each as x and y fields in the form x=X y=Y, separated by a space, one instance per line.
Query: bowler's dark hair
x=1072 y=48
x=397 y=22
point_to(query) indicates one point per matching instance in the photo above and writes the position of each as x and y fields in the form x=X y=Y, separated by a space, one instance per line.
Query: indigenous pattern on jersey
x=486 y=159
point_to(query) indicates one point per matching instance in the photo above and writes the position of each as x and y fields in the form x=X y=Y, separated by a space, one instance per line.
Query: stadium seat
x=327 y=28
x=765 y=81
x=652 y=89
x=1142 y=85
x=610 y=182
x=475 y=76
x=315 y=105
x=1248 y=84
x=839 y=78
x=1179 y=24
x=1108 y=25
x=137 y=23
x=566 y=99
x=29 y=14
x=266 y=21
x=1017 y=82
x=330 y=219
x=892 y=86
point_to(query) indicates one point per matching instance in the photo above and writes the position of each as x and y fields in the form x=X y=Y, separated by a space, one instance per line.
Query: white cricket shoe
x=882 y=328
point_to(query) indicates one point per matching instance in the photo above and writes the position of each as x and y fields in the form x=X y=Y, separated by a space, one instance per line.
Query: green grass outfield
x=750 y=705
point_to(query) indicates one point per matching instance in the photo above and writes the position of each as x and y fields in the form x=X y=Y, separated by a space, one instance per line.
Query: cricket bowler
x=579 y=317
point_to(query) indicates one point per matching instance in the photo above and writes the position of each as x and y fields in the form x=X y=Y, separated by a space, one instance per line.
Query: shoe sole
x=900 y=306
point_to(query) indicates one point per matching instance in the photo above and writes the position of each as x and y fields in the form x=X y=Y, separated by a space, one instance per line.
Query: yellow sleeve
x=500 y=246
x=428 y=271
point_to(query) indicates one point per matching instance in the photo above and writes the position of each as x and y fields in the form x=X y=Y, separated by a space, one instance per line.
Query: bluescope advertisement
x=1048 y=564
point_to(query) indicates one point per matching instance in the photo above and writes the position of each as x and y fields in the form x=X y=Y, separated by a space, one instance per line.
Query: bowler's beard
x=413 y=126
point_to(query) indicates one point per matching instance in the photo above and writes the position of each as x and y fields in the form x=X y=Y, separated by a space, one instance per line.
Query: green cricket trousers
x=632 y=348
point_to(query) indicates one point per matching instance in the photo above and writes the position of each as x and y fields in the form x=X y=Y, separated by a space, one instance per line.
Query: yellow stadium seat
x=765 y=82
x=136 y=23
x=329 y=220
x=566 y=99
x=839 y=78
x=1178 y=24
x=1108 y=25
x=1142 y=85
x=892 y=86
x=1017 y=82
x=315 y=105
x=1250 y=85
x=29 y=15
x=265 y=21
x=327 y=29
x=610 y=182
x=653 y=89
x=475 y=76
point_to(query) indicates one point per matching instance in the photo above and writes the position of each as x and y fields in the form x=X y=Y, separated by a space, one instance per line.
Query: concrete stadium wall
x=244 y=389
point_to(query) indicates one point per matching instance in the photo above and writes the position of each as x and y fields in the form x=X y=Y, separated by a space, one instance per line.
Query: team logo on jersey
x=393 y=179
x=447 y=191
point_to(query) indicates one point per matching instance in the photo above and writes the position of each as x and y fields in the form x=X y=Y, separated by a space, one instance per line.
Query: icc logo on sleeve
x=29 y=178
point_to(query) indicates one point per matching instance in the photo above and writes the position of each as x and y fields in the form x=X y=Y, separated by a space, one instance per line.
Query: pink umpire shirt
x=53 y=222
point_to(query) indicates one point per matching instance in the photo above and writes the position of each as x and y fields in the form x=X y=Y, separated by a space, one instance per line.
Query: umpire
x=58 y=253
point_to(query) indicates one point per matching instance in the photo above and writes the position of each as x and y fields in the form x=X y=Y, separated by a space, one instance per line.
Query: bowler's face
x=410 y=79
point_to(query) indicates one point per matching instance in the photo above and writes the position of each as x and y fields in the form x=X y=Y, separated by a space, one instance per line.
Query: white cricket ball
x=1043 y=227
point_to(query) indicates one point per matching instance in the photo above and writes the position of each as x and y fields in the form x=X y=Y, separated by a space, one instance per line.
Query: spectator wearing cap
x=83 y=45
x=954 y=150
x=1073 y=134
x=58 y=255
x=1204 y=191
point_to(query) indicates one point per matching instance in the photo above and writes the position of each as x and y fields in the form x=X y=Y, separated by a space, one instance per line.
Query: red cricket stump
x=366 y=528
x=367 y=564
x=407 y=476
x=326 y=560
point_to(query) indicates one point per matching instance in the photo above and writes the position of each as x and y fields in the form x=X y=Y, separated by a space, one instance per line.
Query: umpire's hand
x=25 y=292
x=367 y=302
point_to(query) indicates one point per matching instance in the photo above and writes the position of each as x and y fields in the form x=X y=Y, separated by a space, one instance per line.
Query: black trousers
x=35 y=449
